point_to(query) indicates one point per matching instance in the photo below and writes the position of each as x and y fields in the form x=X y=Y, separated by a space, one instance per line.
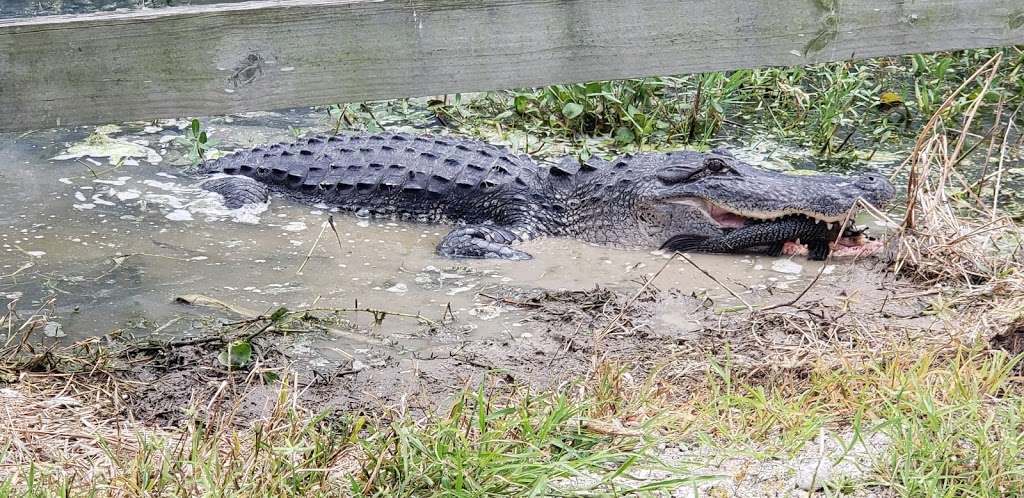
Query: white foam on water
x=98 y=199
x=179 y=215
x=786 y=266
x=211 y=206
x=161 y=185
x=126 y=195
x=176 y=201
x=101 y=145
x=120 y=182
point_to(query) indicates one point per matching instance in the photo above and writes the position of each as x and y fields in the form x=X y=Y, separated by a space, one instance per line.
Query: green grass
x=525 y=449
x=955 y=422
x=834 y=108
x=957 y=430
x=485 y=445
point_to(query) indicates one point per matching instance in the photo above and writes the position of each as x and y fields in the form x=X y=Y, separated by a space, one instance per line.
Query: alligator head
x=715 y=203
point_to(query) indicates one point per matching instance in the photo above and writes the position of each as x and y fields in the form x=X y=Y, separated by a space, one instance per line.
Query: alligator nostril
x=870 y=181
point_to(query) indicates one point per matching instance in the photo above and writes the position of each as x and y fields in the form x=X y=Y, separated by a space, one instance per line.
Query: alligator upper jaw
x=729 y=217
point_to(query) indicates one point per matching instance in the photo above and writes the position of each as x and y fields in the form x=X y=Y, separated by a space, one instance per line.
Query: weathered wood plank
x=217 y=59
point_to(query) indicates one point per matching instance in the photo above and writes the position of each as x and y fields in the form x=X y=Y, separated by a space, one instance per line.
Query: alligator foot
x=481 y=241
x=237 y=190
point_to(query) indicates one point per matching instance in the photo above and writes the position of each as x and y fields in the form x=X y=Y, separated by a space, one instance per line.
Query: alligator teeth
x=830 y=225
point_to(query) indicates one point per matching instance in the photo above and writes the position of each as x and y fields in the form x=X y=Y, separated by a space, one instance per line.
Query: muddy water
x=104 y=244
x=30 y=8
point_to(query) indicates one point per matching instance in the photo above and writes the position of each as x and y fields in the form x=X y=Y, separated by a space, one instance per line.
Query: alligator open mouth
x=785 y=231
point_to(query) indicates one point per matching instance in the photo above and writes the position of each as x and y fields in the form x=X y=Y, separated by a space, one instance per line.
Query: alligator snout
x=875 y=188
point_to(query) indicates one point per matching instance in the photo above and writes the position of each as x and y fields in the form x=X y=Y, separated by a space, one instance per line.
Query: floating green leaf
x=237 y=355
x=278 y=314
x=572 y=110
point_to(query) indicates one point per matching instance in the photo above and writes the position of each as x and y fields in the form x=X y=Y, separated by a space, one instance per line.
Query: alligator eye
x=715 y=164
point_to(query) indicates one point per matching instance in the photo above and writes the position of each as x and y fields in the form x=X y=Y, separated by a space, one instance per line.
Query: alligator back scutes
x=372 y=161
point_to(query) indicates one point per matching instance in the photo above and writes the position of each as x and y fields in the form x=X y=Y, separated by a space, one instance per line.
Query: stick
x=330 y=221
x=323 y=229
x=629 y=303
x=1002 y=157
x=712 y=277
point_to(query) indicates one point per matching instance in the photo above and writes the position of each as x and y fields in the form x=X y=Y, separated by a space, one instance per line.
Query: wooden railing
x=223 y=58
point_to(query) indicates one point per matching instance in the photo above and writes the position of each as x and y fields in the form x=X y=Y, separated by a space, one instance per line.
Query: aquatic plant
x=198 y=144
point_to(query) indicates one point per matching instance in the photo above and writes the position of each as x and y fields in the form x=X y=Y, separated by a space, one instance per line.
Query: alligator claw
x=481 y=242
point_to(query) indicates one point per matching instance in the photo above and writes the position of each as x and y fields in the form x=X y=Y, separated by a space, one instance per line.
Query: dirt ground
x=564 y=335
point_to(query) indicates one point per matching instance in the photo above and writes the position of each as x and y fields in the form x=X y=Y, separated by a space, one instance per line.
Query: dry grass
x=954 y=234
x=53 y=429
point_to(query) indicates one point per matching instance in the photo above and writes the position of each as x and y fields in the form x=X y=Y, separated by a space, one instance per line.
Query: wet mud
x=562 y=336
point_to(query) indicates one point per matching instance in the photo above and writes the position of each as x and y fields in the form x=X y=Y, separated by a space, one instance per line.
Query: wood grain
x=218 y=59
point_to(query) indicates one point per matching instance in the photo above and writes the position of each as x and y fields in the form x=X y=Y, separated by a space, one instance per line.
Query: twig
x=712 y=277
x=323 y=228
x=510 y=301
x=803 y=292
x=330 y=221
x=19 y=270
x=373 y=311
x=1002 y=158
x=614 y=322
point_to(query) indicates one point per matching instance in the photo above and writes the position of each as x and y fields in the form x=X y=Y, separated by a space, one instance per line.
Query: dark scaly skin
x=497 y=198
x=815 y=234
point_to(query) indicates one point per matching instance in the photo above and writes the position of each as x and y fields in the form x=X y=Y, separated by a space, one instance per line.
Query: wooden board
x=217 y=59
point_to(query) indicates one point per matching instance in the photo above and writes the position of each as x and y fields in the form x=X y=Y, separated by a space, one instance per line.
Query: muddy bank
x=562 y=336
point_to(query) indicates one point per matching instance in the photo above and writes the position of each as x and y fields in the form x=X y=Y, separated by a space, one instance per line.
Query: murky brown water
x=112 y=246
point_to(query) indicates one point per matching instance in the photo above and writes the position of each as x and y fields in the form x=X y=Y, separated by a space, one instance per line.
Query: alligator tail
x=685 y=243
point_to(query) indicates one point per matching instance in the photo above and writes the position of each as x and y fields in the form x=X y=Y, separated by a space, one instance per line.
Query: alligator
x=682 y=201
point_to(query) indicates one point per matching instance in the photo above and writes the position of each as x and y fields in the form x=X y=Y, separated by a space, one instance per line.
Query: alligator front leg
x=481 y=241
